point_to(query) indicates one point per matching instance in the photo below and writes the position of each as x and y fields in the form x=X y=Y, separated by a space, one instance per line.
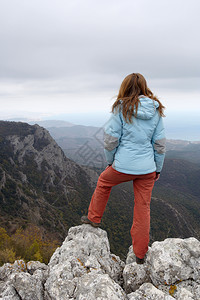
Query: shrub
x=27 y=244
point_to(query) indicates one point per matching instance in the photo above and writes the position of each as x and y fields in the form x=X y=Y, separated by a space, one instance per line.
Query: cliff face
x=38 y=184
x=83 y=268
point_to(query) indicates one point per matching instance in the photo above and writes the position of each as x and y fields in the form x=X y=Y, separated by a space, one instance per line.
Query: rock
x=184 y=294
x=172 y=265
x=38 y=269
x=7 y=269
x=85 y=250
x=84 y=269
x=188 y=288
x=130 y=256
x=8 y=292
x=32 y=266
x=17 y=283
x=173 y=260
x=150 y=292
x=134 y=276
x=101 y=287
x=19 y=265
x=28 y=287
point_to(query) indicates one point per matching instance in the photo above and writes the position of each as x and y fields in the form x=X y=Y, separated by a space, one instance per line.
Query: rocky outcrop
x=84 y=254
x=83 y=268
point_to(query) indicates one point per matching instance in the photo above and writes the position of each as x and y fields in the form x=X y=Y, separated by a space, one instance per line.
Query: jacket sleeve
x=112 y=135
x=159 y=145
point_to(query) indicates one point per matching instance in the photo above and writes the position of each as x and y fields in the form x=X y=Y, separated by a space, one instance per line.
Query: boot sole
x=87 y=221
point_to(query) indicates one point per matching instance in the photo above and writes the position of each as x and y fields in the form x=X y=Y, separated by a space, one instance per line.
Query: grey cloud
x=93 y=44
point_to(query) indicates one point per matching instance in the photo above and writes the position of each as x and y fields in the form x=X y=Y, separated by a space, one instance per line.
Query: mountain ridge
x=71 y=139
x=37 y=179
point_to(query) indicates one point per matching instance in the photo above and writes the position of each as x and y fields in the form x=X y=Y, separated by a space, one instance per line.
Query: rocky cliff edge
x=83 y=268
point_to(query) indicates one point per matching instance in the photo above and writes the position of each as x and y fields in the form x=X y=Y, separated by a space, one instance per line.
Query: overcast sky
x=70 y=56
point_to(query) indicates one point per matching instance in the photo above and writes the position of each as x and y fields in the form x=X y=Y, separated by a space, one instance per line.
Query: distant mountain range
x=40 y=185
x=52 y=123
x=186 y=150
x=43 y=123
x=78 y=138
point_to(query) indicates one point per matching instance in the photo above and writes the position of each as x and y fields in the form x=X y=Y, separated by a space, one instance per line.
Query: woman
x=134 y=142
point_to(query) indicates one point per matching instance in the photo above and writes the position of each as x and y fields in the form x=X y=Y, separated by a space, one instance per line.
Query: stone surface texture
x=174 y=260
x=83 y=268
x=150 y=292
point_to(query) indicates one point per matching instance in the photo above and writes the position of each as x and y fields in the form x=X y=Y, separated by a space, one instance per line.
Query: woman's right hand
x=157 y=176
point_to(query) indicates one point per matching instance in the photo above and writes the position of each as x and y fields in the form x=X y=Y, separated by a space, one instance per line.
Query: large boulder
x=84 y=253
x=174 y=260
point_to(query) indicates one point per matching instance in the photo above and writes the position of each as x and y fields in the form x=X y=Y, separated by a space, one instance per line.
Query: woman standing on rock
x=134 y=142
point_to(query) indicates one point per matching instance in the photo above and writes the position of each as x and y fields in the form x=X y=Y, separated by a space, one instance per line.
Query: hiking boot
x=139 y=261
x=85 y=220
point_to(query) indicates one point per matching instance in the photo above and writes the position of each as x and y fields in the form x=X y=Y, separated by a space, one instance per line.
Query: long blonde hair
x=133 y=86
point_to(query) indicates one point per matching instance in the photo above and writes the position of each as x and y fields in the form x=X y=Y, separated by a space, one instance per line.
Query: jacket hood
x=146 y=108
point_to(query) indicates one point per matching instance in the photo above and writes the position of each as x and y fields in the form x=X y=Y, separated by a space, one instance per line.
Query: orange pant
x=143 y=185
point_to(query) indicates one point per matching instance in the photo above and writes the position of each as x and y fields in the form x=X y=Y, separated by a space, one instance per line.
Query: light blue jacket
x=139 y=147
